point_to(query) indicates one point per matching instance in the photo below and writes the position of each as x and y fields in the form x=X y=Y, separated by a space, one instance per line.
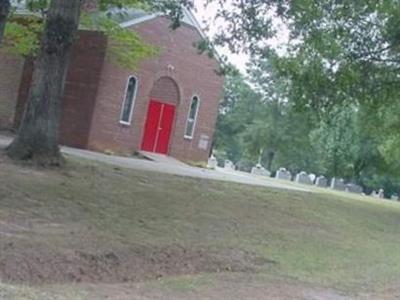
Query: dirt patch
x=37 y=265
x=220 y=286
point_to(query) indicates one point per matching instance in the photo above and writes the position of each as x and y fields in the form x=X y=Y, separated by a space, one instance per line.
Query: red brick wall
x=80 y=88
x=165 y=89
x=194 y=74
x=10 y=75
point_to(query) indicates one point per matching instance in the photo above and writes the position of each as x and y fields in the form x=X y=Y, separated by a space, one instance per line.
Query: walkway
x=171 y=166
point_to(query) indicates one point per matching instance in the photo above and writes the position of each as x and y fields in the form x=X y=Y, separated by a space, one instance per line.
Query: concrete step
x=161 y=158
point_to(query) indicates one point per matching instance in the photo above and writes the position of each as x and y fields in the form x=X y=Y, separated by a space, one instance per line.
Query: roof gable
x=188 y=18
x=126 y=17
x=129 y=17
x=133 y=19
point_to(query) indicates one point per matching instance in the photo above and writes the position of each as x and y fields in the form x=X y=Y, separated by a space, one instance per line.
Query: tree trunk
x=37 y=137
x=270 y=157
x=4 y=12
x=359 y=166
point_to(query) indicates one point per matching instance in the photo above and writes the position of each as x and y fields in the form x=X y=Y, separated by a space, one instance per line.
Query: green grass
x=321 y=238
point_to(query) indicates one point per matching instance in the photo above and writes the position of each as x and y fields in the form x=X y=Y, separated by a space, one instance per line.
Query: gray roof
x=129 y=17
x=123 y=16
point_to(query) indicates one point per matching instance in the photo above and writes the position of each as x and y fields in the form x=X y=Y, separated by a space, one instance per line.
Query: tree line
x=329 y=104
x=259 y=122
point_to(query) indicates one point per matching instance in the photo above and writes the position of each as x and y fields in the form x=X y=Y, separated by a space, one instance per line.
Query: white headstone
x=260 y=170
x=229 y=165
x=312 y=177
x=321 y=182
x=283 y=174
x=353 y=188
x=212 y=162
x=338 y=184
x=381 y=194
x=303 y=178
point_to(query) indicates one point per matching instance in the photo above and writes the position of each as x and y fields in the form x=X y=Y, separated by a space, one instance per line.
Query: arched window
x=129 y=101
x=192 y=117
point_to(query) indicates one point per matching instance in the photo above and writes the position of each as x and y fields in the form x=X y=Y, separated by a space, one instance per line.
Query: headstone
x=321 y=182
x=260 y=170
x=353 y=188
x=303 y=178
x=229 y=165
x=381 y=194
x=374 y=194
x=338 y=184
x=395 y=197
x=283 y=174
x=312 y=177
x=212 y=162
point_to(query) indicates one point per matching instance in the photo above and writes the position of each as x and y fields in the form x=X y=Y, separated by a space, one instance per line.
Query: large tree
x=337 y=142
x=37 y=137
x=4 y=12
x=339 y=52
x=257 y=123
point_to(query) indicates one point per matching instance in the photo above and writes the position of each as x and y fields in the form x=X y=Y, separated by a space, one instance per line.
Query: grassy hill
x=94 y=231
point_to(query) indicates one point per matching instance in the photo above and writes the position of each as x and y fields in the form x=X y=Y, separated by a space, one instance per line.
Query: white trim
x=190 y=137
x=133 y=100
x=139 y=20
x=149 y=17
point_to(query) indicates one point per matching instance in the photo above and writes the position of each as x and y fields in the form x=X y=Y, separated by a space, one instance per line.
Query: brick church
x=168 y=105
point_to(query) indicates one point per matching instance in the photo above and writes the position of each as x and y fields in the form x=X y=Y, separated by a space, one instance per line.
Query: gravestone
x=212 y=162
x=229 y=165
x=338 y=184
x=374 y=194
x=260 y=170
x=381 y=194
x=303 y=178
x=312 y=177
x=354 y=188
x=283 y=174
x=321 y=182
x=395 y=197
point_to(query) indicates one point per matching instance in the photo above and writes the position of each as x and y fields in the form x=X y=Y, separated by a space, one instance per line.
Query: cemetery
x=303 y=178
x=321 y=181
x=283 y=174
x=260 y=170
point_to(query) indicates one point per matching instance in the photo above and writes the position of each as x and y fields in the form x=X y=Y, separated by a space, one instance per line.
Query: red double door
x=158 y=127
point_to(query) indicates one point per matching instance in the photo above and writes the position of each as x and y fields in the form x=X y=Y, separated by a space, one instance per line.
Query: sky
x=207 y=15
